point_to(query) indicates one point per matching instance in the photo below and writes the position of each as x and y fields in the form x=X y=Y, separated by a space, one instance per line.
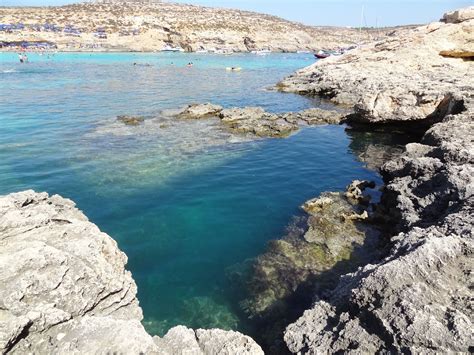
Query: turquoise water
x=186 y=201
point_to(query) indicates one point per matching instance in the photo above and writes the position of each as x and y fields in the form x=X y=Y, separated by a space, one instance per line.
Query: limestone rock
x=149 y=25
x=401 y=78
x=416 y=299
x=198 y=111
x=255 y=121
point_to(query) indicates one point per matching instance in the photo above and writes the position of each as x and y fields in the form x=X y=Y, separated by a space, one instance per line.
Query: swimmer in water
x=190 y=64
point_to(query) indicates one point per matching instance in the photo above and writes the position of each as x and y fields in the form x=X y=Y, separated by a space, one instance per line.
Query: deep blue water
x=185 y=200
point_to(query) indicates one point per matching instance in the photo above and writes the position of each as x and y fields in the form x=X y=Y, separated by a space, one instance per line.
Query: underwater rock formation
x=334 y=237
x=64 y=288
x=130 y=120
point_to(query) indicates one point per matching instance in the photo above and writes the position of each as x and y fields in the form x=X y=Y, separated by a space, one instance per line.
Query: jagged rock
x=256 y=121
x=416 y=299
x=64 y=288
x=198 y=111
x=354 y=192
x=400 y=78
x=181 y=341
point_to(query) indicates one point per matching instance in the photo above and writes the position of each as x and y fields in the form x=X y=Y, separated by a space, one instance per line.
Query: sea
x=185 y=200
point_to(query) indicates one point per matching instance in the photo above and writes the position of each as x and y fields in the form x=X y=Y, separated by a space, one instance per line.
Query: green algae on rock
x=334 y=234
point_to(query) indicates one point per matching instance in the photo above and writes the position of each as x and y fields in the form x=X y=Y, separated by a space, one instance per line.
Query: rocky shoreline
x=147 y=26
x=416 y=298
x=412 y=294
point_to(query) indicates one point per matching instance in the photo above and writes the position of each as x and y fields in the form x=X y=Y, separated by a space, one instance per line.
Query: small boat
x=322 y=54
x=169 y=48
x=233 y=68
x=303 y=52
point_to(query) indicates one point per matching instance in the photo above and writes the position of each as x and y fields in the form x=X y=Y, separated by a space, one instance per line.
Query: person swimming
x=21 y=58
x=190 y=64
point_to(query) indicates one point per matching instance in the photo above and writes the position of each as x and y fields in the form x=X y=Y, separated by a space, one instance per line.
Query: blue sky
x=324 y=12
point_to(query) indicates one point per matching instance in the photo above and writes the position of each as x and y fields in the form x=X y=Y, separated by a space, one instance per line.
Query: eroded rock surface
x=410 y=76
x=416 y=299
x=64 y=288
x=256 y=121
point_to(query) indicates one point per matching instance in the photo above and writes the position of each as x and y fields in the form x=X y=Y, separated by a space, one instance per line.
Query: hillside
x=148 y=26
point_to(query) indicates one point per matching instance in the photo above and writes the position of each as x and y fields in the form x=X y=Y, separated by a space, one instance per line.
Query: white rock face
x=64 y=288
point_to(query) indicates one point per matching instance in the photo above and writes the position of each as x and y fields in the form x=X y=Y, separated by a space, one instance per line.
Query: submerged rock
x=334 y=237
x=131 y=120
x=64 y=288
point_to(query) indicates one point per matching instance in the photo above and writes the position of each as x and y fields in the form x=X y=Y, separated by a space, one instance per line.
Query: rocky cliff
x=417 y=297
x=148 y=25
x=64 y=289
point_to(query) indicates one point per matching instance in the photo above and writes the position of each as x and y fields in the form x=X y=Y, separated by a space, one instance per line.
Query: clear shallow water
x=186 y=201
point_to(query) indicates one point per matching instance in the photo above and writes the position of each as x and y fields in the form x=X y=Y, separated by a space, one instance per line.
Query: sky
x=323 y=12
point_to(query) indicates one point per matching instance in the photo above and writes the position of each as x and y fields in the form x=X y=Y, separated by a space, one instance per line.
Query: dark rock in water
x=375 y=148
x=131 y=120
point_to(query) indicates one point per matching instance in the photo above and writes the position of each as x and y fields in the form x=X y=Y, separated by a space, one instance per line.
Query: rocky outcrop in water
x=409 y=76
x=333 y=237
x=64 y=289
x=256 y=121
